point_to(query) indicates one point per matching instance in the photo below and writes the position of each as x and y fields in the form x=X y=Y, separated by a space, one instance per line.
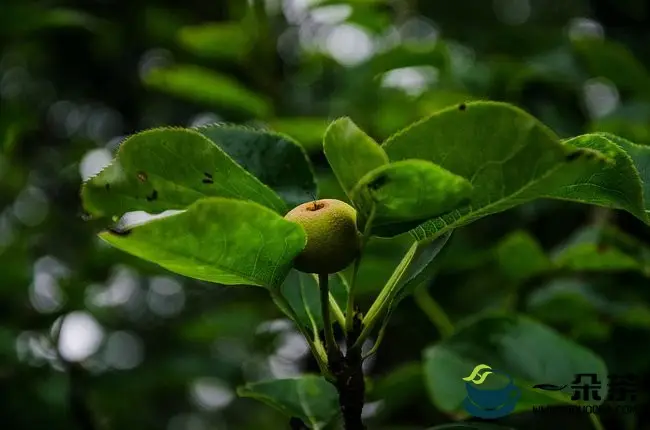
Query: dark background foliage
x=156 y=351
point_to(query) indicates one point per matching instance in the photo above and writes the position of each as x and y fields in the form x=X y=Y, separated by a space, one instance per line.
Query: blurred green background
x=157 y=351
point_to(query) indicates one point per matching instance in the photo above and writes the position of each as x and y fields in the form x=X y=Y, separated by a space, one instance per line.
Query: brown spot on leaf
x=142 y=176
x=462 y=107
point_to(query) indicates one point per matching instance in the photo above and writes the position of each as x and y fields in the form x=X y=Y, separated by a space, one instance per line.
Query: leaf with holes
x=511 y=158
x=169 y=168
x=276 y=160
x=219 y=240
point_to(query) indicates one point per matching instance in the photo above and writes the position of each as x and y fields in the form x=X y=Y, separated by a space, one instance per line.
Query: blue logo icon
x=490 y=403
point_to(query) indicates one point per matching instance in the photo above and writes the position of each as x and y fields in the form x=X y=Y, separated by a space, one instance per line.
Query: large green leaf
x=574 y=305
x=399 y=388
x=588 y=308
x=209 y=87
x=520 y=257
x=640 y=155
x=222 y=40
x=412 y=54
x=611 y=60
x=602 y=249
x=302 y=293
x=220 y=240
x=351 y=153
x=420 y=267
x=528 y=351
x=276 y=160
x=408 y=192
x=592 y=249
x=511 y=158
x=615 y=184
x=169 y=168
x=308 y=131
x=310 y=398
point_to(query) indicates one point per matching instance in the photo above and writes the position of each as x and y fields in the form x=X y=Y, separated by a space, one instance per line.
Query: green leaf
x=208 y=87
x=408 y=192
x=276 y=160
x=169 y=168
x=222 y=40
x=412 y=54
x=603 y=249
x=351 y=153
x=308 y=131
x=572 y=303
x=511 y=158
x=411 y=271
x=219 y=240
x=232 y=320
x=591 y=309
x=640 y=155
x=380 y=256
x=420 y=268
x=303 y=295
x=400 y=387
x=615 y=184
x=592 y=249
x=310 y=398
x=591 y=257
x=613 y=61
x=21 y=18
x=528 y=351
x=521 y=257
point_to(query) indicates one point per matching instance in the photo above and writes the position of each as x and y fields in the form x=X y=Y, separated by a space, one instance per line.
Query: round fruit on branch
x=333 y=241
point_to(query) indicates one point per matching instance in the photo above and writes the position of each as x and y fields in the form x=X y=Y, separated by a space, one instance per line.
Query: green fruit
x=333 y=240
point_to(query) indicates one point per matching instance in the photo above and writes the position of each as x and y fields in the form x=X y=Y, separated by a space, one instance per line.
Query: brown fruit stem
x=347 y=370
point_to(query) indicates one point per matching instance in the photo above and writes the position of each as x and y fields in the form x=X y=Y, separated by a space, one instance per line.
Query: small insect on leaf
x=207 y=178
x=462 y=107
x=142 y=176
